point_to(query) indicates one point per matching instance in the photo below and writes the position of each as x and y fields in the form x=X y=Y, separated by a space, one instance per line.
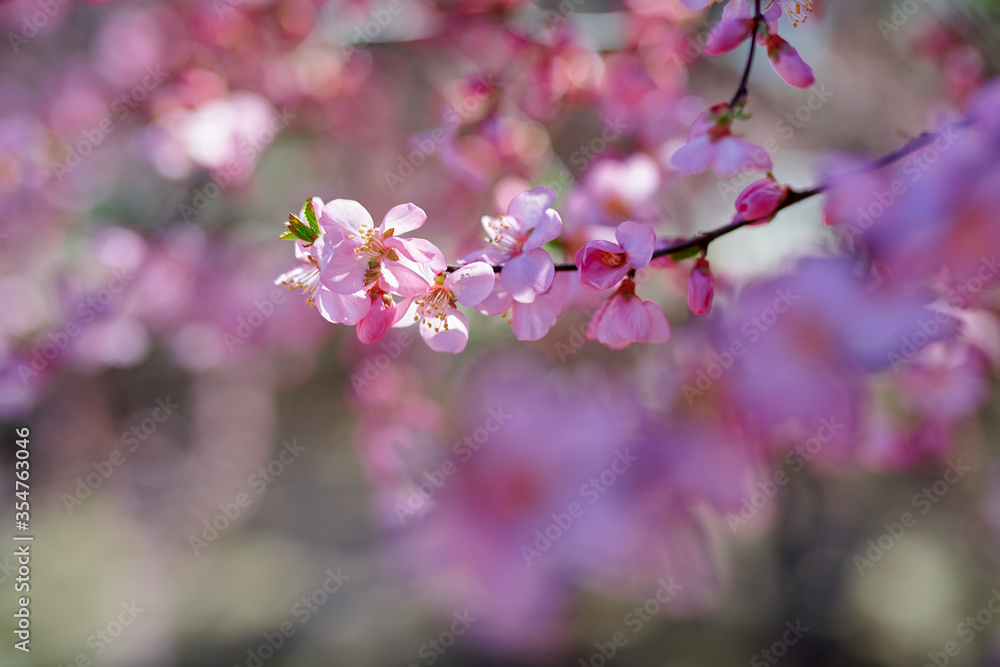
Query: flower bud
x=760 y=200
x=701 y=288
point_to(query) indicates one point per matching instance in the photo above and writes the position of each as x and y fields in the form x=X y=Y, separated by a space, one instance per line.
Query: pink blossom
x=711 y=144
x=515 y=241
x=700 y=288
x=625 y=319
x=443 y=327
x=305 y=278
x=760 y=200
x=602 y=264
x=359 y=254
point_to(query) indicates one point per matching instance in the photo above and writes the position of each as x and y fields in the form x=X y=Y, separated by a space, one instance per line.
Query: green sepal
x=310 y=211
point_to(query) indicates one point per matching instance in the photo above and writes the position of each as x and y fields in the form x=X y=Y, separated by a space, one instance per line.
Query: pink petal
x=548 y=228
x=695 y=156
x=497 y=302
x=727 y=35
x=734 y=155
x=528 y=274
x=471 y=283
x=531 y=321
x=403 y=219
x=343 y=270
x=407 y=313
x=661 y=327
x=341 y=218
x=488 y=255
x=420 y=251
x=342 y=308
x=453 y=339
x=529 y=206
x=405 y=278
x=638 y=241
x=376 y=323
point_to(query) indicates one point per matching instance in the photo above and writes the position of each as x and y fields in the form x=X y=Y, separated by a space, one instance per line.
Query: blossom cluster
x=354 y=272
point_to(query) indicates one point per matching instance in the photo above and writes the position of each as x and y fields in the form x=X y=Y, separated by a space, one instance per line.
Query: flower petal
x=734 y=155
x=528 y=274
x=499 y=301
x=342 y=270
x=451 y=339
x=638 y=241
x=404 y=278
x=529 y=206
x=376 y=323
x=403 y=219
x=420 y=251
x=531 y=321
x=342 y=308
x=342 y=218
x=471 y=283
x=661 y=326
x=695 y=156
x=548 y=228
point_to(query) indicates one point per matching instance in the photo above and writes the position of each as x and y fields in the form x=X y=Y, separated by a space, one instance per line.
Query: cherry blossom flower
x=360 y=254
x=442 y=326
x=602 y=264
x=625 y=319
x=305 y=278
x=711 y=144
x=515 y=241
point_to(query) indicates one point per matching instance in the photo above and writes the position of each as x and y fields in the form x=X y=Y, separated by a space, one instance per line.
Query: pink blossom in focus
x=359 y=254
x=305 y=277
x=442 y=326
x=515 y=241
x=602 y=264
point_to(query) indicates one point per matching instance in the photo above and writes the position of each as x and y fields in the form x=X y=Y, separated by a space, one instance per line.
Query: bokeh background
x=213 y=464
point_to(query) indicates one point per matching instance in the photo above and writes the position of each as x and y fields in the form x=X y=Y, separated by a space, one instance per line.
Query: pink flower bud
x=701 y=288
x=788 y=64
x=760 y=200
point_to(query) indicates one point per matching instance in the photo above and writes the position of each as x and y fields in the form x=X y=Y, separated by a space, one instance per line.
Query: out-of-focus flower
x=613 y=191
x=711 y=144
